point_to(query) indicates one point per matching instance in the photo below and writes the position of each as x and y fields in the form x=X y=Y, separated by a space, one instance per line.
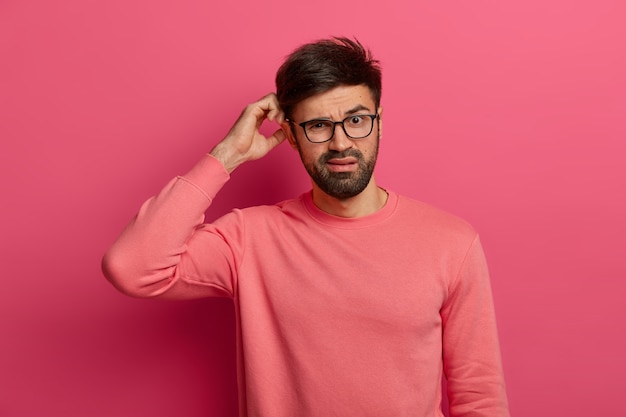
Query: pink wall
x=510 y=114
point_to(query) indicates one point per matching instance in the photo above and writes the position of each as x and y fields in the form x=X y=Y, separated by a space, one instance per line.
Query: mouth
x=342 y=164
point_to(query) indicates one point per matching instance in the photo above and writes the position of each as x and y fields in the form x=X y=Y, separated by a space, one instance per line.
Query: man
x=350 y=300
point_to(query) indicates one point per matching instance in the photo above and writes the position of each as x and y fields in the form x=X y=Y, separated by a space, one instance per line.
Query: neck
x=369 y=201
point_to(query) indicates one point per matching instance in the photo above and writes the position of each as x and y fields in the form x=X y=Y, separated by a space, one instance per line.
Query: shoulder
x=266 y=214
x=432 y=220
x=257 y=223
x=279 y=208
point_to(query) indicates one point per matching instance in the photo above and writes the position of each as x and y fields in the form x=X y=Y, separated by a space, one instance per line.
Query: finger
x=276 y=115
x=267 y=108
x=264 y=104
x=268 y=102
x=277 y=138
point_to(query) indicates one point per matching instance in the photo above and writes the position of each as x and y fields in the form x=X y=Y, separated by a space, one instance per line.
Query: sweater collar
x=350 y=223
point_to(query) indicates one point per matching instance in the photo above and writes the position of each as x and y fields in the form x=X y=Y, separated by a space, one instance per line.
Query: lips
x=343 y=161
x=342 y=164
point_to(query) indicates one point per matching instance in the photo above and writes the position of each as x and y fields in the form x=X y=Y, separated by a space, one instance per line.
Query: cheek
x=309 y=155
x=370 y=146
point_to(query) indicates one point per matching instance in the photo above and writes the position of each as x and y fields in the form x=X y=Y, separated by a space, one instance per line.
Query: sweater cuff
x=209 y=175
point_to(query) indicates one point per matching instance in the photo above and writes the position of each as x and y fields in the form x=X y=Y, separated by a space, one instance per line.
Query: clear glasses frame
x=310 y=123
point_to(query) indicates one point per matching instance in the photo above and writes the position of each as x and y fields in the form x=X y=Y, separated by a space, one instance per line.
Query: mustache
x=343 y=154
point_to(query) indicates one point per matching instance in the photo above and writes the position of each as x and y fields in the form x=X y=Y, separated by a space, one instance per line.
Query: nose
x=340 y=141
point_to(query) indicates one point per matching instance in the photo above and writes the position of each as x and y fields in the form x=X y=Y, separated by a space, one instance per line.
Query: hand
x=244 y=142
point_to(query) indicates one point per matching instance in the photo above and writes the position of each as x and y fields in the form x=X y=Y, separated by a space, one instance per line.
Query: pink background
x=509 y=114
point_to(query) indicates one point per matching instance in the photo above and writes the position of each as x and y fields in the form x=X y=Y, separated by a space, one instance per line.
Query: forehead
x=336 y=103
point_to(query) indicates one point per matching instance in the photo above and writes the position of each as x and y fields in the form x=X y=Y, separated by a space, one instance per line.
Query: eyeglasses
x=357 y=126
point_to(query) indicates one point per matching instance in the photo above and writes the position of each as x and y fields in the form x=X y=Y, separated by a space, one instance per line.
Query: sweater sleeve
x=147 y=258
x=471 y=351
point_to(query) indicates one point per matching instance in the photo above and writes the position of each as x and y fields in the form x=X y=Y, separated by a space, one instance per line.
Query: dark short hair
x=317 y=67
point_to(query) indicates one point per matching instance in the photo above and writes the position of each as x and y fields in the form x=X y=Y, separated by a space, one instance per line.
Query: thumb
x=277 y=138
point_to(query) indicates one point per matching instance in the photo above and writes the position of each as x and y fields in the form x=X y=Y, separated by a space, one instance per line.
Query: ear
x=380 y=122
x=286 y=127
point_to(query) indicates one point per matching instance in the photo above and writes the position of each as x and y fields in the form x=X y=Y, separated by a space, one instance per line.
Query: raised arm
x=144 y=261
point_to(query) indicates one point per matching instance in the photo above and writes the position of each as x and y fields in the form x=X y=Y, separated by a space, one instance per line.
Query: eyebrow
x=352 y=111
x=356 y=109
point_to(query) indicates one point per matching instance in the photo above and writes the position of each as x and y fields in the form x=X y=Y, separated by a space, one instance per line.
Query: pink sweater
x=335 y=316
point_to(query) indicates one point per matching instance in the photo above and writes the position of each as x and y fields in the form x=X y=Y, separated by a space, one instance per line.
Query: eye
x=356 y=120
x=318 y=125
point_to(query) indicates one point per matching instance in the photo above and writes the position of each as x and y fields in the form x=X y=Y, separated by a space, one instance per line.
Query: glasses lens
x=319 y=130
x=358 y=126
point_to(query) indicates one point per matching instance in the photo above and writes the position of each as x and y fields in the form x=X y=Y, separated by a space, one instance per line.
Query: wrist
x=224 y=154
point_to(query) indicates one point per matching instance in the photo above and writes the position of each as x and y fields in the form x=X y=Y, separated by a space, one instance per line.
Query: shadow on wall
x=191 y=343
x=143 y=357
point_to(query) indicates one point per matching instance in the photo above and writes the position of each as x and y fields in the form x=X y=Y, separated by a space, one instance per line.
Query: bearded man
x=350 y=299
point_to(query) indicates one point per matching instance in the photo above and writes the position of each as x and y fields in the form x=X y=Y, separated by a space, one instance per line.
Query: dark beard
x=342 y=185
